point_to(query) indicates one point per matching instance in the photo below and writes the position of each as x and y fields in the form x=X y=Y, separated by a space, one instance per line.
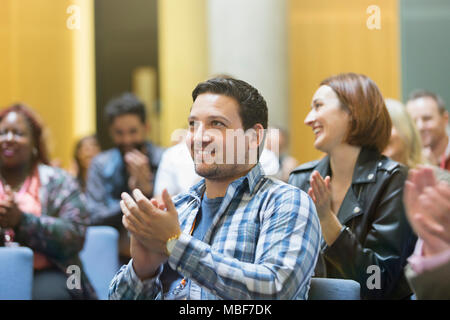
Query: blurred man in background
x=428 y=111
x=131 y=164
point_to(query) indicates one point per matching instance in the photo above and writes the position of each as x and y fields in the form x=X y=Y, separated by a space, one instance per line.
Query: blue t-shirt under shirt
x=206 y=215
x=170 y=278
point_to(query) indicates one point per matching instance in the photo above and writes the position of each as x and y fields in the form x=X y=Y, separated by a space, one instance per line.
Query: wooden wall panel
x=49 y=66
x=327 y=37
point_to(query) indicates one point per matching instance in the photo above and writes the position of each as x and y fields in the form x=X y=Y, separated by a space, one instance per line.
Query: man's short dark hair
x=252 y=106
x=127 y=103
x=421 y=93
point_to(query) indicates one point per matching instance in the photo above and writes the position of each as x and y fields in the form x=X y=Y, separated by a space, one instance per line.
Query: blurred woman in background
x=85 y=150
x=41 y=207
x=405 y=145
x=356 y=190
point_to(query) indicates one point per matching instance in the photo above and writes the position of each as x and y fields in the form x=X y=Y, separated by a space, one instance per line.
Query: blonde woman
x=405 y=145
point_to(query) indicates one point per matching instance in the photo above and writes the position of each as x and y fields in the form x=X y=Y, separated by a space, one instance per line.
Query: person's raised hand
x=320 y=192
x=427 y=205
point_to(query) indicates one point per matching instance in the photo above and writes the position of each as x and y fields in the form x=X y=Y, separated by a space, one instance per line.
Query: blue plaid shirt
x=263 y=244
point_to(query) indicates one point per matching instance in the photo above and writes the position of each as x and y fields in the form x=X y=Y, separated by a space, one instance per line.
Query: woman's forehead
x=325 y=92
x=15 y=118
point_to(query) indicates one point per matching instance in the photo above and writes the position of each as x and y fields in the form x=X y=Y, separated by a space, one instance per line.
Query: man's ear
x=257 y=136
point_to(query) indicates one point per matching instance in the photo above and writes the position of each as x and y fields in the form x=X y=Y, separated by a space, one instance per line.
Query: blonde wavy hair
x=407 y=131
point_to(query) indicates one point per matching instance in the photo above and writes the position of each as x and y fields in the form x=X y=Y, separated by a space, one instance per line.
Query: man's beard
x=216 y=172
x=215 y=165
x=207 y=173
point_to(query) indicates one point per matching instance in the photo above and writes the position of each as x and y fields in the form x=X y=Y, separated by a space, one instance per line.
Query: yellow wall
x=84 y=107
x=327 y=37
x=49 y=67
x=183 y=59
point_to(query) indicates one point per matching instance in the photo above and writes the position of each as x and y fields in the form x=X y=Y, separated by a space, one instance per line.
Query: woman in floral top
x=41 y=207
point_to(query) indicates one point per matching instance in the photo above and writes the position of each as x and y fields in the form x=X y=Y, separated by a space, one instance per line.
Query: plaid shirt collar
x=251 y=180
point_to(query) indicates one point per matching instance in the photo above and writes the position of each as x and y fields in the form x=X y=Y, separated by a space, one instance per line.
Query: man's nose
x=201 y=135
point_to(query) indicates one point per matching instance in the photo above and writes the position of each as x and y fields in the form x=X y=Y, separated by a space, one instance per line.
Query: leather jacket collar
x=365 y=168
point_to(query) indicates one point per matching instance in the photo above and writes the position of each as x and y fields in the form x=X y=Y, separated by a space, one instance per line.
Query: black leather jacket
x=375 y=229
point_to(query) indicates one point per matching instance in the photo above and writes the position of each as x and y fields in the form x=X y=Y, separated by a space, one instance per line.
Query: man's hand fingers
x=128 y=225
x=144 y=203
x=133 y=208
x=128 y=200
x=136 y=159
x=139 y=156
x=168 y=202
x=131 y=163
x=131 y=217
x=158 y=204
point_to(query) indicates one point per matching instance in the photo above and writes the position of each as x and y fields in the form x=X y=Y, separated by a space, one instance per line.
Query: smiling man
x=428 y=112
x=237 y=234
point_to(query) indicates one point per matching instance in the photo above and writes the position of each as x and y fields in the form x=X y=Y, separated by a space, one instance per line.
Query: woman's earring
x=35 y=152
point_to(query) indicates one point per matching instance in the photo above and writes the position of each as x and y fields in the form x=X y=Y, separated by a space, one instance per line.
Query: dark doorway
x=125 y=38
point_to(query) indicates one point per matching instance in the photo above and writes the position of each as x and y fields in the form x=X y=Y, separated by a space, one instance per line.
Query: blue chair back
x=334 y=289
x=16 y=273
x=100 y=257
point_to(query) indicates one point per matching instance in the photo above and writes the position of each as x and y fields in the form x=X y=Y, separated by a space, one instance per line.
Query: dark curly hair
x=37 y=130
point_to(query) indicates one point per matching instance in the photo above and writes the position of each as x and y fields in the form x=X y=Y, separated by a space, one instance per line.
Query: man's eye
x=217 y=123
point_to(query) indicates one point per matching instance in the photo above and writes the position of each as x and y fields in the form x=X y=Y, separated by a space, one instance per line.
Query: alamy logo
x=74 y=20
x=74 y=279
x=374 y=20
x=374 y=280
